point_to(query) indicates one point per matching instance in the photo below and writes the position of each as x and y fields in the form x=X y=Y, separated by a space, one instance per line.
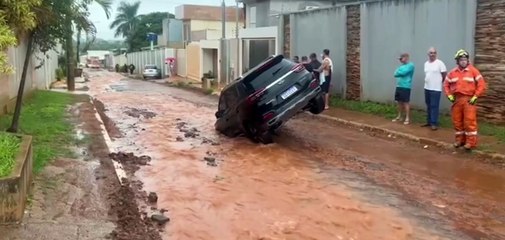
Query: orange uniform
x=464 y=84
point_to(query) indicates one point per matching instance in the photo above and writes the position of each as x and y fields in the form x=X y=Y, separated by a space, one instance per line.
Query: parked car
x=151 y=71
x=266 y=97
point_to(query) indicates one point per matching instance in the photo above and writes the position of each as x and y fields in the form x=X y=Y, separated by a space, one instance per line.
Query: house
x=171 y=35
x=201 y=34
x=264 y=21
x=205 y=22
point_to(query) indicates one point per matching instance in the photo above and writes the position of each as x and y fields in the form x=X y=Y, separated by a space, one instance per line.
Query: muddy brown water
x=318 y=181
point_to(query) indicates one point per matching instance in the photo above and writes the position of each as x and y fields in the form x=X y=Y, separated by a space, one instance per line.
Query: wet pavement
x=318 y=181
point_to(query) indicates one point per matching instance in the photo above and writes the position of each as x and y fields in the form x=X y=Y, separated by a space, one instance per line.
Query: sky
x=146 y=6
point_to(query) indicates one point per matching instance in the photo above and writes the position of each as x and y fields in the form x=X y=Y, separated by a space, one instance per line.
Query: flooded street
x=318 y=181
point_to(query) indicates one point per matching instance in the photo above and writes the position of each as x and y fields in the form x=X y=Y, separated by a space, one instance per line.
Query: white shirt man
x=435 y=72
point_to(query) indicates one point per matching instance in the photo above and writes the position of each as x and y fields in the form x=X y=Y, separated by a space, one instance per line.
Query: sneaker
x=397 y=119
x=425 y=125
x=457 y=145
x=434 y=128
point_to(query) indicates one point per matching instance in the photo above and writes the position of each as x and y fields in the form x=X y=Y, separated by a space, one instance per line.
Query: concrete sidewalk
x=443 y=137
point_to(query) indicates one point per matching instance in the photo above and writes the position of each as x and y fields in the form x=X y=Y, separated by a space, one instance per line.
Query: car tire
x=257 y=137
x=265 y=137
x=317 y=104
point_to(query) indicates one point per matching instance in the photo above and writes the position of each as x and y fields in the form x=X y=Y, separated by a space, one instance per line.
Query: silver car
x=151 y=71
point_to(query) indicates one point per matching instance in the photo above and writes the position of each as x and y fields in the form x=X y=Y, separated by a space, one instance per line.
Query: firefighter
x=463 y=85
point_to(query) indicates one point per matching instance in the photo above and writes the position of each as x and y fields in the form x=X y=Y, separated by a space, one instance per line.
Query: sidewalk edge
x=407 y=136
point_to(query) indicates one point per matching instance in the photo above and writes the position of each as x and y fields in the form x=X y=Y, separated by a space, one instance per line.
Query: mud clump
x=210 y=141
x=188 y=132
x=152 y=197
x=136 y=113
x=160 y=218
x=131 y=225
x=110 y=126
x=130 y=162
x=211 y=161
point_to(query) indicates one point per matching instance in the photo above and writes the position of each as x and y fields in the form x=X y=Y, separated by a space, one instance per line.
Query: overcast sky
x=146 y=6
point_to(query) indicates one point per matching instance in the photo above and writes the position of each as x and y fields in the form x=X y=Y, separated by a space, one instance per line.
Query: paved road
x=318 y=181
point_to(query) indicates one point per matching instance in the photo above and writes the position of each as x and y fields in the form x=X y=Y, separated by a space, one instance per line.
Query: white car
x=151 y=71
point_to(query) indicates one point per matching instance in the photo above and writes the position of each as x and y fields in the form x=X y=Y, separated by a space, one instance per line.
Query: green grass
x=389 y=111
x=9 y=146
x=44 y=116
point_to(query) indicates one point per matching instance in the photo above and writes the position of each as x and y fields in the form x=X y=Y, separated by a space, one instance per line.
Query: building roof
x=207 y=13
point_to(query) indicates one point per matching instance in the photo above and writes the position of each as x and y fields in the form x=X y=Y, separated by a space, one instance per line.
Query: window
x=252 y=17
x=187 y=32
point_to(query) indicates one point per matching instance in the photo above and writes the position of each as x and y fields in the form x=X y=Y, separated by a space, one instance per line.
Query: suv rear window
x=150 y=67
x=266 y=72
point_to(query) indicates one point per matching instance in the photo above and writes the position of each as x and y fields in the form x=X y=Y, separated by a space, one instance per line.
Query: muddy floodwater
x=318 y=181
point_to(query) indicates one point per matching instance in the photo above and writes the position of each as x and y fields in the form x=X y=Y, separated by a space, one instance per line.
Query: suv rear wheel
x=317 y=104
x=256 y=136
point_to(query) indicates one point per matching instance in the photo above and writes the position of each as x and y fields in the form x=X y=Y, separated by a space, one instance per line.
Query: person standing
x=326 y=69
x=296 y=59
x=306 y=64
x=403 y=74
x=315 y=64
x=435 y=72
x=463 y=85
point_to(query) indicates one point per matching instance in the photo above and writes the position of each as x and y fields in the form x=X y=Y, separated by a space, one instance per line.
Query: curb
x=118 y=167
x=406 y=136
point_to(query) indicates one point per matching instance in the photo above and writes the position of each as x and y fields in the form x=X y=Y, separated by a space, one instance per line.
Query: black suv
x=265 y=97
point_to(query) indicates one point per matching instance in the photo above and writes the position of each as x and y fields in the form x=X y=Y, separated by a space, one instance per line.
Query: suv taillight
x=267 y=116
x=314 y=83
x=255 y=96
x=298 y=68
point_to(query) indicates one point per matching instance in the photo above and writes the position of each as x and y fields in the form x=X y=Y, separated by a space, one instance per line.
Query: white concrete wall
x=180 y=61
x=40 y=78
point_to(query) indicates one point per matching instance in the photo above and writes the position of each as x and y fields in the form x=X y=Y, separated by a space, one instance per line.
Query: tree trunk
x=19 y=99
x=70 y=57
x=78 y=46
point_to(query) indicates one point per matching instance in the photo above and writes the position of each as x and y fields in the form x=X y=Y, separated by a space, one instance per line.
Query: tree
x=16 y=18
x=77 y=14
x=50 y=27
x=152 y=22
x=101 y=44
x=82 y=24
x=126 y=20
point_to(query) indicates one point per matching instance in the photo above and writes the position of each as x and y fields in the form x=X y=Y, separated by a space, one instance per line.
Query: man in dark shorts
x=326 y=69
x=403 y=74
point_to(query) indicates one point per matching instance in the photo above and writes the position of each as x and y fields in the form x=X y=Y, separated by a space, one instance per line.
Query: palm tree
x=84 y=25
x=126 y=20
x=78 y=14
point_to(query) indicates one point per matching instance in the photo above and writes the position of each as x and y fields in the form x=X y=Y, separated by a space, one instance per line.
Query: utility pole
x=237 y=60
x=224 y=70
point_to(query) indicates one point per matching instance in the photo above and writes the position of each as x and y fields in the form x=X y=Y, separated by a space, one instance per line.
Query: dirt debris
x=110 y=126
x=152 y=197
x=131 y=225
x=130 y=162
x=137 y=113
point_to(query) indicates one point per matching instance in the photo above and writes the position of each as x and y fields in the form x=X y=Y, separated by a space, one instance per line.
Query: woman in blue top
x=403 y=74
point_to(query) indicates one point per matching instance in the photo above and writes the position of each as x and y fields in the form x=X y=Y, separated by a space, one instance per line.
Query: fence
x=386 y=29
x=40 y=78
x=157 y=57
x=314 y=31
